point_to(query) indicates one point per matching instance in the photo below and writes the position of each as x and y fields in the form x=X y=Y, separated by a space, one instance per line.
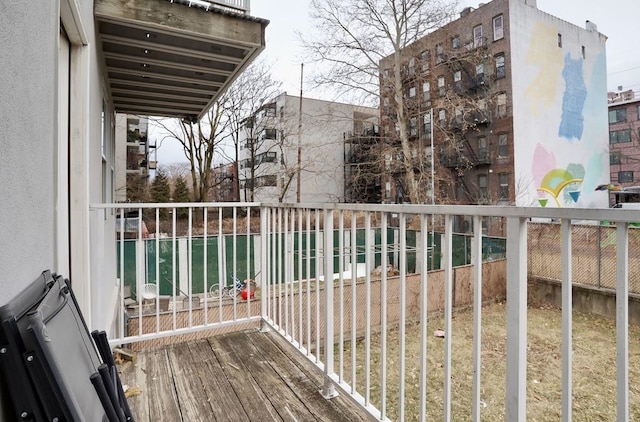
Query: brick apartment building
x=514 y=102
x=624 y=138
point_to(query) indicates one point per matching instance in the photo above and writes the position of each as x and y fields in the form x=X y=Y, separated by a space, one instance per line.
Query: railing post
x=328 y=390
x=516 y=404
x=622 y=321
x=264 y=271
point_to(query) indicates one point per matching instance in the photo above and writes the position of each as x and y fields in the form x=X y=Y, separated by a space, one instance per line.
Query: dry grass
x=594 y=367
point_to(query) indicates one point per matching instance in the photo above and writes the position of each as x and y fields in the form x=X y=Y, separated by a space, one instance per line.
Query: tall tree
x=212 y=135
x=181 y=194
x=246 y=96
x=161 y=191
x=351 y=37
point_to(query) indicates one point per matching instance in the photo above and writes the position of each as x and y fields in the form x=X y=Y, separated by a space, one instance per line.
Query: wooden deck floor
x=240 y=376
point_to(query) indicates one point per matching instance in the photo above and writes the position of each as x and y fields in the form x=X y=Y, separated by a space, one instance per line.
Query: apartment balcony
x=376 y=312
x=175 y=58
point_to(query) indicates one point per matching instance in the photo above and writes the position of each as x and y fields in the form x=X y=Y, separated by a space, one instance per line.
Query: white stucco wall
x=28 y=131
x=560 y=110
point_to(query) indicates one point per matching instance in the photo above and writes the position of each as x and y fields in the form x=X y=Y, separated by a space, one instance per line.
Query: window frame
x=626 y=179
x=503 y=147
x=501 y=71
x=619 y=113
x=614 y=136
x=477 y=36
x=498 y=30
x=503 y=185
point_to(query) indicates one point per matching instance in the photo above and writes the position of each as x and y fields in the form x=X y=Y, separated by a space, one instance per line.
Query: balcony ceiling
x=168 y=59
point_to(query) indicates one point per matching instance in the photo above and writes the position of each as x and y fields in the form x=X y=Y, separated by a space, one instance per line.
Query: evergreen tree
x=161 y=191
x=181 y=194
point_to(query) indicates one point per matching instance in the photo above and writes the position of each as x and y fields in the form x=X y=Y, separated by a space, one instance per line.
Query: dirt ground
x=594 y=367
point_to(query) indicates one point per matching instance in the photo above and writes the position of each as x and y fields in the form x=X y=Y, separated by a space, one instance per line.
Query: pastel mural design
x=559 y=185
x=575 y=94
x=549 y=63
x=543 y=163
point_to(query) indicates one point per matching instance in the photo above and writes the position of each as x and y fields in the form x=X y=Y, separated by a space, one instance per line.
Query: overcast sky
x=617 y=19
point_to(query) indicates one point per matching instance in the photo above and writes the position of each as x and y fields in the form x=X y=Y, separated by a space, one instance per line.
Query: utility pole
x=299 y=137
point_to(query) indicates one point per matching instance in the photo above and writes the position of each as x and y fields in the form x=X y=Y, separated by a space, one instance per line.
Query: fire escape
x=362 y=166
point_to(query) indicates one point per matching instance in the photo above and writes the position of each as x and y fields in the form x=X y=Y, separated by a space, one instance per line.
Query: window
x=458 y=113
x=614 y=158
x=455 y=42
x=281 y=112
x=584 y=52
x=482 y=148
x=477 y=36
x=457 y=81
x=500 y=72
x=412 y=92
x=413 y=126
x=426 y=90
x=503 y=148
x=617 y=115
x=501 y=104
x=441 y=88
x=638 y=111
x=442 y=115
x=269 y=134
x=503 y=179
x=412 y=66
x=482 y=184
x=424 y=58
x=560 y=40
x=439 y=53
x=427 y=125
x=625 y=176
x=620 y=136
x=480 y=73
x=498 y=29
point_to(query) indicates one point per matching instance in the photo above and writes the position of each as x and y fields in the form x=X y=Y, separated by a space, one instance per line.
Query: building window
x=559 y=40
x=457 y=81
x=412 y=66
x=458 y=112
x=614 y=158
x=427 y=125
x=424 y=58
x=269 y=134
x=412 y=92
x=500 y=71
x=625 y=176
x=455 y=42
x=477 y=36
x=638 y=111
x=498 y=29
x=480 y=74
x=482 y=148
x=439 y=53
x=426 y=91
x=503 y=148
x=482 y=185
x=441 y=87
x=503 y=179
x=501 y=104
x=413 y=126
x=620 y=136
x=442 y=115
x=617 y=115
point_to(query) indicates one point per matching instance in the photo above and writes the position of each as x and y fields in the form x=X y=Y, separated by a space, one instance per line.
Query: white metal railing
x=322 y=291
x=243 y=6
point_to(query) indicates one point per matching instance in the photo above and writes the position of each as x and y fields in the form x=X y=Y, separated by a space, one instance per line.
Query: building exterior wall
x=624 y=139
x=547 y=103
x=321 y=139
x=559 y=101
x=27 y=139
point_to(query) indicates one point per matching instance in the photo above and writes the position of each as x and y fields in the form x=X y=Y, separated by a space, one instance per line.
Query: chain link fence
x=593 y=249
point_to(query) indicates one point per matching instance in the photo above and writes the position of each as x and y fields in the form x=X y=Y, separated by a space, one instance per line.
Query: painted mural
x=565 y=155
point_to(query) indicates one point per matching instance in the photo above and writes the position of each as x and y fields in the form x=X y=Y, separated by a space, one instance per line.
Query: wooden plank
x=251 y=360
x=192 y=398
x=163 y=403
x=223 y=402
x=254 y=401
x=133 y=376
x=306 y=385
